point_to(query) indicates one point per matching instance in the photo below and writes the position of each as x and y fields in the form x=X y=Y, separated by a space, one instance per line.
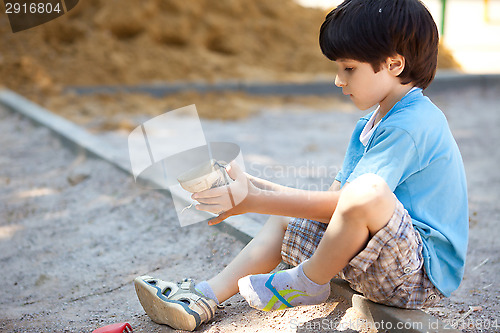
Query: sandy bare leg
x=261 y=255
x=365 y=206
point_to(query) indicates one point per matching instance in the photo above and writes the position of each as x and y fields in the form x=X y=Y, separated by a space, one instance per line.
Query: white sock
x=204 y=288
x=281 y=290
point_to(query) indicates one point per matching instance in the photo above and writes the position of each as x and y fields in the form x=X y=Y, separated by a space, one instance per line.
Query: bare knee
x=366 y=190
x=367 y=200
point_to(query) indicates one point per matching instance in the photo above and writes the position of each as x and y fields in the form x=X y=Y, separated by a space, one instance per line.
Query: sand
x=75 y=232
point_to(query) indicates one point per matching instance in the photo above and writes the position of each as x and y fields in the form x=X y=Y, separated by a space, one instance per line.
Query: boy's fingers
x=208 y=201
x=214 y=209
x=219 y=219
x=210 y=193
x=233 y=170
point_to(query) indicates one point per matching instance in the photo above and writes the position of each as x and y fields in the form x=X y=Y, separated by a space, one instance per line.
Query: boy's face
x=365 y=87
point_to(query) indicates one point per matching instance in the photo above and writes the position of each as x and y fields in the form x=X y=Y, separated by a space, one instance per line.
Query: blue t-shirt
x=414 y=151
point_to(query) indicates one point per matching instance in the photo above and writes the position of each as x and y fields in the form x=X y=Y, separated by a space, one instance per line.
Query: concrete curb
x=78 y=139
x=386 y=318
x=444 y=80
x=452 y=80
x=243 y=228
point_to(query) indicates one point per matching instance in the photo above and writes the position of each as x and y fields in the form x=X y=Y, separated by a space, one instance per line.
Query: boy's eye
x=349 y=69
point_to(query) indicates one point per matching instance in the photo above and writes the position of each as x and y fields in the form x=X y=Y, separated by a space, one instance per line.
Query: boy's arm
x=314 y=205
x=266 y=184
x=275 y=199
x=335 y=186
x=251 y=194
x=270 y=186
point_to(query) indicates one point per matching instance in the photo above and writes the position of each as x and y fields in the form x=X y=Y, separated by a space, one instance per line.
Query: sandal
x=177 y=305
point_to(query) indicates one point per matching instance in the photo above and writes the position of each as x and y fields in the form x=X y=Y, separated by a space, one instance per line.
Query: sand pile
x=128 y=42
x=131 y=42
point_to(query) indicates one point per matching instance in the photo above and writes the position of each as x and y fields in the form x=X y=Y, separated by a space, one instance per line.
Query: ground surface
x=74 y=232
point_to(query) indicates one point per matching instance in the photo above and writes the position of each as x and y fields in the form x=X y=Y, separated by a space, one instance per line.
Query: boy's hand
x=227 y=200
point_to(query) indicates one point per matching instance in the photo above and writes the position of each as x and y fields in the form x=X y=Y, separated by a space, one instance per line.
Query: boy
x=394 y=222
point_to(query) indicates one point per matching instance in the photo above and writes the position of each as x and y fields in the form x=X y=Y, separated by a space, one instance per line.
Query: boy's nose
x=339 y=82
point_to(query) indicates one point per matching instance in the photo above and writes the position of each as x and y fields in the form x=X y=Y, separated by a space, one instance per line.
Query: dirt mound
x=128 y=42
x=131 y=42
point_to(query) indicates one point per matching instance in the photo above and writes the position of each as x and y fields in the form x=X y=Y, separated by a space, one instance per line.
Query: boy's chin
x=365 y=107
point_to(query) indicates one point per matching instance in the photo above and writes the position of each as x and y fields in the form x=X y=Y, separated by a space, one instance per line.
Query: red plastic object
x=115 y=328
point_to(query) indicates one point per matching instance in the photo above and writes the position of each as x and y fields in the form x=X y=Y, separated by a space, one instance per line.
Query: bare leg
x=261 y=255
x=365 y=206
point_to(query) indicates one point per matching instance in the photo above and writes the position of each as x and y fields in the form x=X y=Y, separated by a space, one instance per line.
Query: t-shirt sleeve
x=338 y=177
x=392 y=155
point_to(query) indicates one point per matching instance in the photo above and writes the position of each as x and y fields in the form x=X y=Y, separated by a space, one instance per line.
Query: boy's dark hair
x=373 y=30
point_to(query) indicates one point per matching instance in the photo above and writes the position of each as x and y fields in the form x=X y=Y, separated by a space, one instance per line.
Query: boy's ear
x=396 y=64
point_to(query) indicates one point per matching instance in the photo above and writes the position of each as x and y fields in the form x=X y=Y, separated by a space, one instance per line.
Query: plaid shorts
x=389 y=270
